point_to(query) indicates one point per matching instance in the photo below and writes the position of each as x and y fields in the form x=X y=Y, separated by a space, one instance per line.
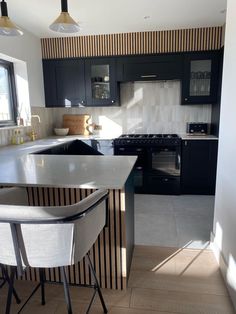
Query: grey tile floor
x=173 y=221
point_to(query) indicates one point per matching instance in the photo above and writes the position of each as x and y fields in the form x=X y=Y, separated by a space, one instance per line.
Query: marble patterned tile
x=174 y=220
x=146 y=107
x=155 y=229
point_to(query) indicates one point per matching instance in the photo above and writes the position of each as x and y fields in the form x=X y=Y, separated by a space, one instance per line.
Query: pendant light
x=7 y=27
x=64 y=23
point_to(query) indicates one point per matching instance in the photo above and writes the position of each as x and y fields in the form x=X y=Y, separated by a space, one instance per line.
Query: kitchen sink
x=75 y=147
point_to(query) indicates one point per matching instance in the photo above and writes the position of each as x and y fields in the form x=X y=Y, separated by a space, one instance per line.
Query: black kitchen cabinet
x=198 y=166
x=101 y=83
x=64 y=82
x=146 y=68
x=215 y=112
x=200 y=78
x=95 y=81
x=80 y=82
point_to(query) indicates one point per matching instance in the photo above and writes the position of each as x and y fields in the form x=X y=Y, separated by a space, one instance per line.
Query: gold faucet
x=36 y=116
x=33 y=134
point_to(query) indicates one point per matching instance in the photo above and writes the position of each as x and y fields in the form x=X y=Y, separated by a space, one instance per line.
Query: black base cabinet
x=162 y=185
x=198 y=166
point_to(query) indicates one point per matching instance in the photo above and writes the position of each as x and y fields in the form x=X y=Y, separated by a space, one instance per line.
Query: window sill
x=11 y=127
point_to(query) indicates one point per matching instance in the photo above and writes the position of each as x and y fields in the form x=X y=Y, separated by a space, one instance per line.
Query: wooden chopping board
x=77 y=123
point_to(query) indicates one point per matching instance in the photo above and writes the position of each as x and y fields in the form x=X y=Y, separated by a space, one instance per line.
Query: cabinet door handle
x=121 y=149
x=185 y=143
x=148 y=76
x=138 y=149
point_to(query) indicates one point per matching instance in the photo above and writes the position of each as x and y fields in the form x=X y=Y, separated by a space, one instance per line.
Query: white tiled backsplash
x=146 y=107
x=6 y=134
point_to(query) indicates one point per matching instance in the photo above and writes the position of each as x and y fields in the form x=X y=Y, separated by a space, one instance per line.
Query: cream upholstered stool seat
x=49 y=236
x=19 y=198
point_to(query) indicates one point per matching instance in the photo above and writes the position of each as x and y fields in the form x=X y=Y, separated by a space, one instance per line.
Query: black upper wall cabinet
x=146 y=68
x=101 y=83
x=95 y=81
x=201 y=74
x=64 y=82
x=80 y=82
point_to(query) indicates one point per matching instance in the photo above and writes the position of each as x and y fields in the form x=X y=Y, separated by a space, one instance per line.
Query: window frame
x=12 y=91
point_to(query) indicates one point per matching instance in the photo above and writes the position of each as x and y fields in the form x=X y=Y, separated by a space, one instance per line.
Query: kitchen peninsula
x=54 y=180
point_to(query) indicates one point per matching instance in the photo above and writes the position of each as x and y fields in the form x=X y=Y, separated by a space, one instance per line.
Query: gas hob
x=147 y=139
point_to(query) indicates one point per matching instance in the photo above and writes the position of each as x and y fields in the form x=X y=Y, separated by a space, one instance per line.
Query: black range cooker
x=157 y=170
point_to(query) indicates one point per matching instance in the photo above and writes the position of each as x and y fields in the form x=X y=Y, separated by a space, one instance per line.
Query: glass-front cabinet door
x=101 y=85
x=200 y=81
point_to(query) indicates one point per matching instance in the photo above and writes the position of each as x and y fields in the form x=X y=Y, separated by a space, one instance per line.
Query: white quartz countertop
x=18 y=167
x=197 y=137
x=38 y=145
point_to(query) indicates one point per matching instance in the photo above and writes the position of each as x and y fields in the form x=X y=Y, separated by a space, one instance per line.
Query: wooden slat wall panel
x=123 y=260
x=207 y=38
x=106 y=253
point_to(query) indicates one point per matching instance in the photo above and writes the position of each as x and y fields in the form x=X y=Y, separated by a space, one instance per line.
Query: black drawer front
x=150 y=67
x=151 y=71
x=162 y=185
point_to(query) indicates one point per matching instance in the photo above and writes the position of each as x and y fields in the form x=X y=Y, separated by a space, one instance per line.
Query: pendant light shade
x=64 y=23
x=7 y=27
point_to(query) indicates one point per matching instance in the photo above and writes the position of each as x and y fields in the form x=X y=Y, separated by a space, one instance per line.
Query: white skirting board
x=228 y=270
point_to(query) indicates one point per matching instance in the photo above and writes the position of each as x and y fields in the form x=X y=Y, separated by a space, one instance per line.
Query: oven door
x=164 y=161
x=163 y=170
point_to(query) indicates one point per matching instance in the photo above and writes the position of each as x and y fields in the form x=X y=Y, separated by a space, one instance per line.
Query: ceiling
x=110 y=16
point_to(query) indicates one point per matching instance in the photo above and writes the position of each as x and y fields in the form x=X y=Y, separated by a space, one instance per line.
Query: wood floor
x=162 y=281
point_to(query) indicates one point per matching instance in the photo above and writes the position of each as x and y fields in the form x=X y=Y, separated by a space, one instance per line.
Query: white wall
x=225 y=201
x=27 y=48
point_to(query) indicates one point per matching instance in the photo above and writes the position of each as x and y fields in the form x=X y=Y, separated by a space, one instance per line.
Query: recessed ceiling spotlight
x=146 y=17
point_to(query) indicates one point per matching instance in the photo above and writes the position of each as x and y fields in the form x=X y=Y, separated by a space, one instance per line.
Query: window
x=7 y=94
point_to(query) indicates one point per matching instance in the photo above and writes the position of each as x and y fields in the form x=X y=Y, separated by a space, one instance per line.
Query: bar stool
x=48 y=237
x=14 y=196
